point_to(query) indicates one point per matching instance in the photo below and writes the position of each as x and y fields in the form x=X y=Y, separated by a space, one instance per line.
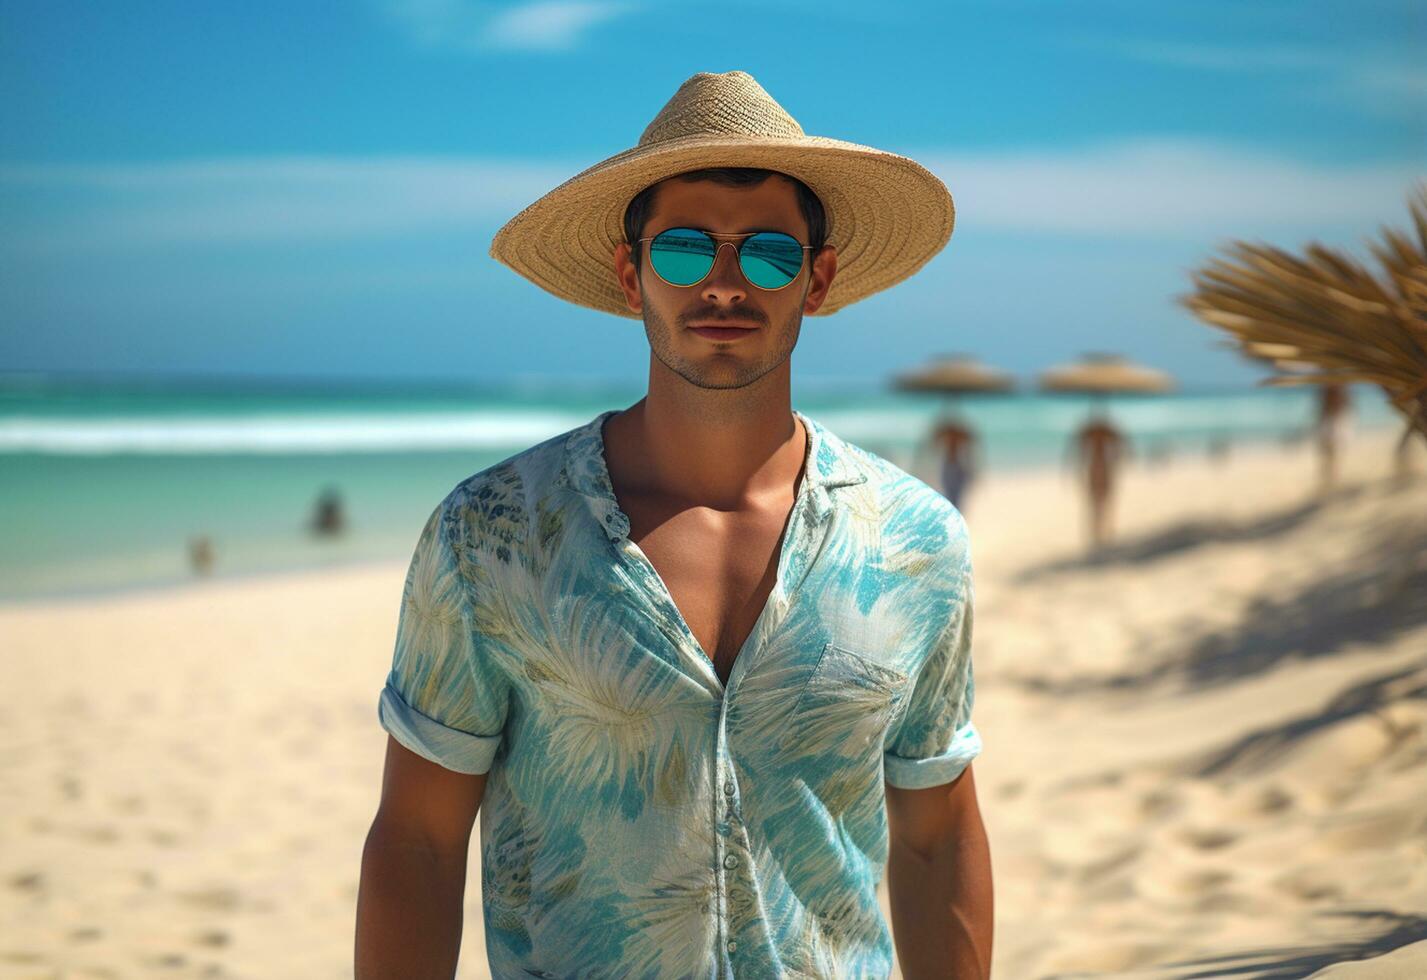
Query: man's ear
x=824 y=263
x=628 y=277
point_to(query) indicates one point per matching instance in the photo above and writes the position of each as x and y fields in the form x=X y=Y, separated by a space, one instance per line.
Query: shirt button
x=728 y=788
x=730 y=861
x=733 y=945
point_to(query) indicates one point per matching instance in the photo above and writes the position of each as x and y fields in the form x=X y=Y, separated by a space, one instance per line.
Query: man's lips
x=723 y=329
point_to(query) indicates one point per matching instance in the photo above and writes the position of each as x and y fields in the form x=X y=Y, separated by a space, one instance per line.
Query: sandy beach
x=1204 y=748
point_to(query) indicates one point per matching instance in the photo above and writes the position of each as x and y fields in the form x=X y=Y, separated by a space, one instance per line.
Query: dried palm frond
x=1324 y=317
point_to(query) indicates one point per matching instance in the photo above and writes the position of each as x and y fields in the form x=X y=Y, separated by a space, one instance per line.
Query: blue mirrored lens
x=771 y=259
x=682 y=256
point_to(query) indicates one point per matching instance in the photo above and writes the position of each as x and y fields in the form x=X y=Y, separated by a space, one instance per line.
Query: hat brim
x=887 y=214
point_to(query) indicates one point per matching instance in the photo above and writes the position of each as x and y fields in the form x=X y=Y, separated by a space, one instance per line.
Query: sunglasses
x=685 y=256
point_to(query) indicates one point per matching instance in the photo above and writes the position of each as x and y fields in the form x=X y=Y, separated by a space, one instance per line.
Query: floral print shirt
x=640 y=817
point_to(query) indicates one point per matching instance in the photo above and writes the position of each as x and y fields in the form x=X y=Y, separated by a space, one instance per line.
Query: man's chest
x=718 y=568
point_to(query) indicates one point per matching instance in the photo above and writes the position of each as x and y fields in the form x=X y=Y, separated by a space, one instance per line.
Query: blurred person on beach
x=1098 y=449
x=328 y=518
x=1331 y=429
x=1218 y=448
x=1403 y=469
x=624 y=646
x=200 y=554
x=960 y=460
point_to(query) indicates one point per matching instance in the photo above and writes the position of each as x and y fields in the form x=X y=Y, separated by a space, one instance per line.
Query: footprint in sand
x=102 y=834
x=130 y=804
x=1308 y=885
x=1207 y=838
x=218 y=899
x=1178 y=885
x=1259 y=801
x=1011 y=790
x=27 y=881
x=167 y=961
x=1160 y=803
x=1367 y=831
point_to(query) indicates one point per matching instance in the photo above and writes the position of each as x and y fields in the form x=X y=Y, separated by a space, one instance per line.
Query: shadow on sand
x=1370 y=598
x=1188 y=535
x=1280 y=963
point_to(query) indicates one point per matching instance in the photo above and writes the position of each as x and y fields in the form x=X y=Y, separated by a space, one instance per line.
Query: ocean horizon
x=105 y=480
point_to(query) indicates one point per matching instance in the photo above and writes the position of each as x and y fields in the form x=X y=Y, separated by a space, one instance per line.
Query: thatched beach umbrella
x=954 y=374
x=1105 y=374
x=1325 y=318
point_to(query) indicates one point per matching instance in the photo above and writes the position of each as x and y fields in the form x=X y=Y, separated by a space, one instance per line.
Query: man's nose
x=725 y=284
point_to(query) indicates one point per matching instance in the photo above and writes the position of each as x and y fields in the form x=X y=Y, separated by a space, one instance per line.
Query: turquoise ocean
x=103 y=481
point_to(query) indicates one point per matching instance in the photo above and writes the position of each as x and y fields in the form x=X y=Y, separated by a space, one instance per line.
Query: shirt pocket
x=844 y=708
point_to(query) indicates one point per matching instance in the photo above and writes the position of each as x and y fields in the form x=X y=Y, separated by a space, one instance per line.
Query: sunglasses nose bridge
x=718 y=253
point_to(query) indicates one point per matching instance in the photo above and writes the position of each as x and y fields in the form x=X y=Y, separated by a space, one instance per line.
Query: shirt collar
x=825 y=467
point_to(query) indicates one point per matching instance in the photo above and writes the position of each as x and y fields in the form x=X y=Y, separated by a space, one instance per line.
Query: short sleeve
x=443 y=699
x=935 y=740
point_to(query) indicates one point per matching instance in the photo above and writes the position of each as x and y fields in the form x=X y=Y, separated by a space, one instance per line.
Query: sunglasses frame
x=718 y=246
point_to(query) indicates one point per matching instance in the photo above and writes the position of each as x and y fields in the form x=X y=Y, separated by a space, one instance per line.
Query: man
x=702 y=666
x=1099 y=450
x=959 y=459
x=1331 y=429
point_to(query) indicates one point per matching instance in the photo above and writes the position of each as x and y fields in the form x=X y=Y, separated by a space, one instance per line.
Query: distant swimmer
x=327 y=518
x=959 y=460
x=1099 y=449
x=200 y=554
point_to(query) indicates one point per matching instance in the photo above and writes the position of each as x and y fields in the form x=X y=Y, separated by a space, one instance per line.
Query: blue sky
x=310 y=188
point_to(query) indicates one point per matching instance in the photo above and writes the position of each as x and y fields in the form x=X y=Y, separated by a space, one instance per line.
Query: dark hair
x=638 y=210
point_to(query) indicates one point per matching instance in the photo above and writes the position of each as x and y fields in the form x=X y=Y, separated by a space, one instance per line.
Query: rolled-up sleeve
x=445 y=699
x=934 y=740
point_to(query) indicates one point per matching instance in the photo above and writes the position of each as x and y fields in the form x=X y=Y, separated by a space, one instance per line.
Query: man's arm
x=413 y=882
x=939 y=881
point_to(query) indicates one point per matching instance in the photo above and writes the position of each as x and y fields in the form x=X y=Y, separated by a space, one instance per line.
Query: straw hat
x=887 y=215
x=1105 y=373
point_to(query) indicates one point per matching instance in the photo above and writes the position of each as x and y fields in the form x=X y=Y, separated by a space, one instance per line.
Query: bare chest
x=719 y=569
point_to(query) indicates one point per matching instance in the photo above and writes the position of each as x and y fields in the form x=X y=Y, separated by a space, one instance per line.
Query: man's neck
x=684 y=451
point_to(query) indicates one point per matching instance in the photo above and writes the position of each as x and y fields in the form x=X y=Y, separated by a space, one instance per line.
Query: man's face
x=771 y=318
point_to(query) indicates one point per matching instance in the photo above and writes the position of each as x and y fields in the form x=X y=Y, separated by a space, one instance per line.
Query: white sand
x=1204 y=753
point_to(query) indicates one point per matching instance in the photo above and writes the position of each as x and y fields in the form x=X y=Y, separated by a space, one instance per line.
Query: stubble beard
x=715 y=372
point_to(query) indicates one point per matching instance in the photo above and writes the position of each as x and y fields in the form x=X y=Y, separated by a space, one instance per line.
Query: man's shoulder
x=494 y=505
x=913 y=514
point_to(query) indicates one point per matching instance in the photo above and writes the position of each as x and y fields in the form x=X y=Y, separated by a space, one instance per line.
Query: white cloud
x=1167 y=188
x=1376 y=80
x=552 y=24
x=235 y=201
x=1160 y=189
x=476 y=25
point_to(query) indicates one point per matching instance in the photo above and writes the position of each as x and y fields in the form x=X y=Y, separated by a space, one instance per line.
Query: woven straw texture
x=1323 y=317
x=953 y=373
x=1107 y=373
x=887 y=214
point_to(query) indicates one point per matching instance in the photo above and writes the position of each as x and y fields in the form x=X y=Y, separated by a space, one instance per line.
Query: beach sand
x=1204 y=750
